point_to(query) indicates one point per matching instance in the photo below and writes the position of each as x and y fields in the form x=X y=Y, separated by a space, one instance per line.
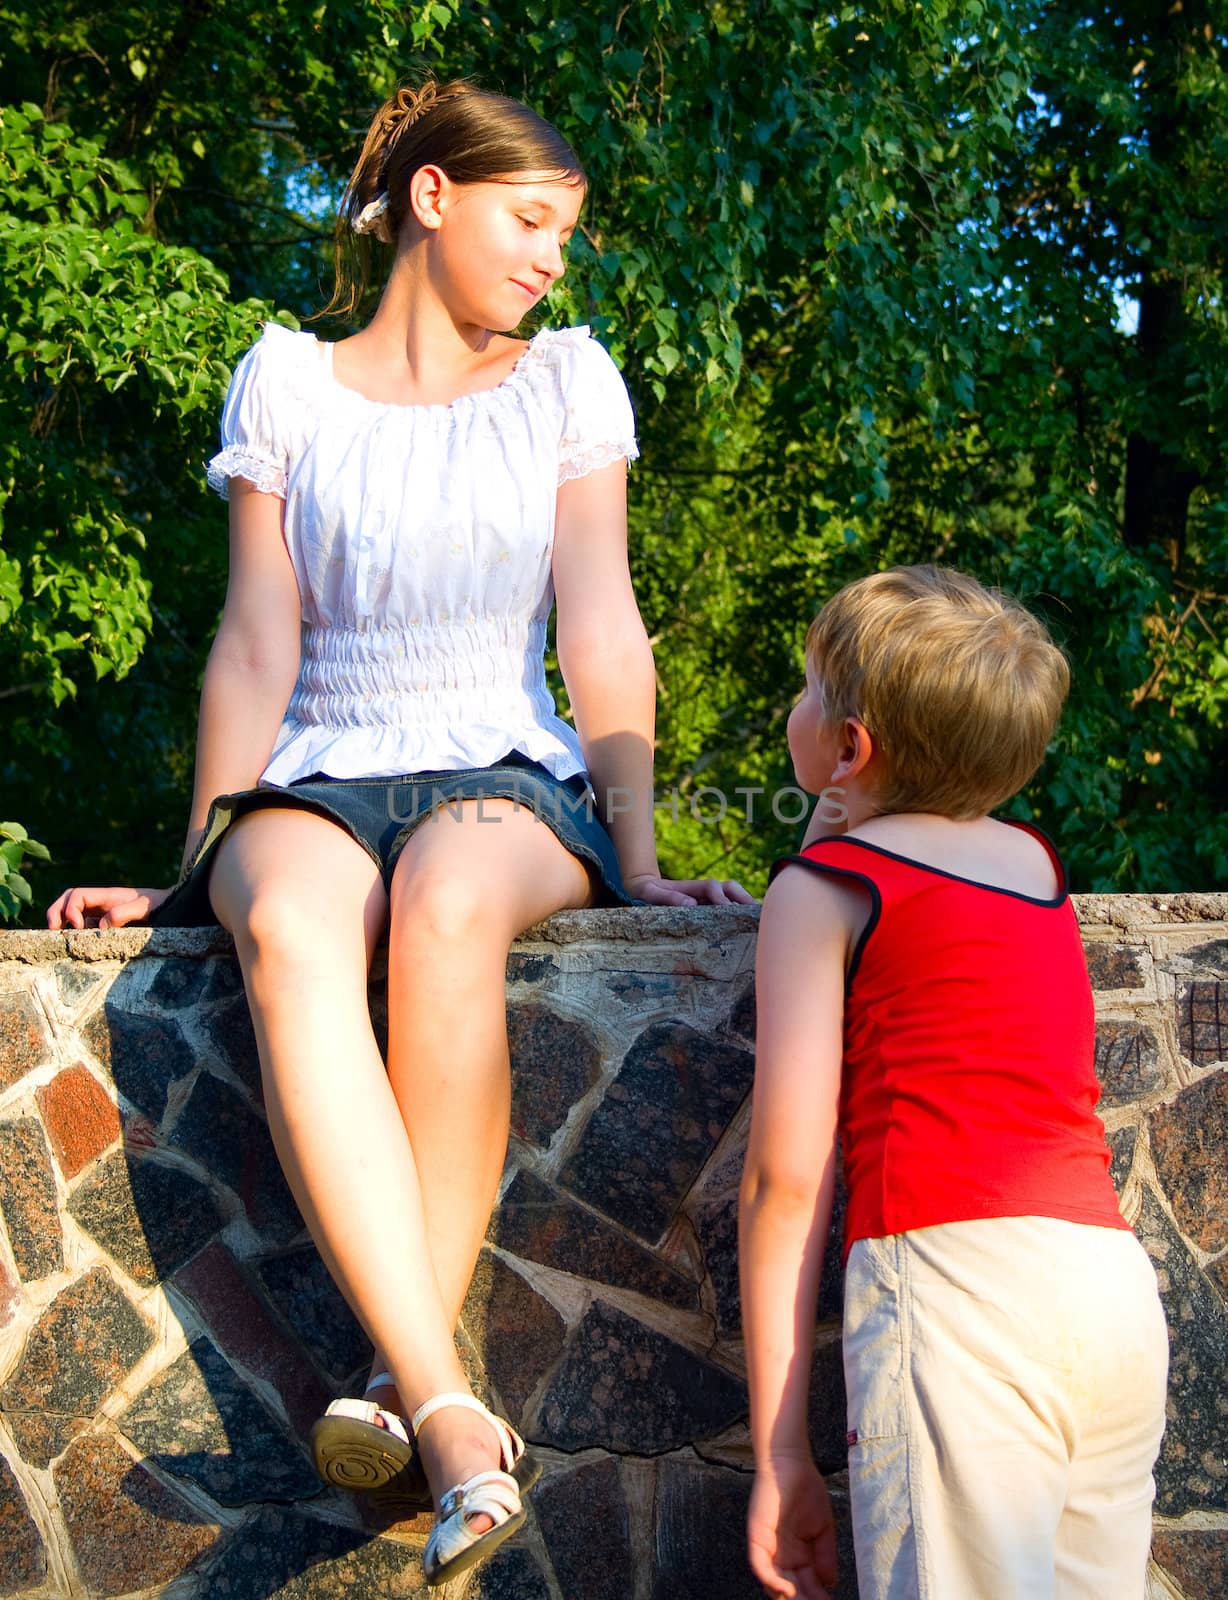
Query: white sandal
x=357 y=1445
x=453 y=1545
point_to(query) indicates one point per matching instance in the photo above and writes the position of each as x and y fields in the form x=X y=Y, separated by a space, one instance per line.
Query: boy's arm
x=785 y=1212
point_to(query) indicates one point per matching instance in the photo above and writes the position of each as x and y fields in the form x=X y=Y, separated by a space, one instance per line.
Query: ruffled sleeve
x=598 y=423
x=253 y=423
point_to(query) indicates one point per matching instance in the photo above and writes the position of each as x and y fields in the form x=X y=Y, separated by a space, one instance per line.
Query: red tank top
x=968 y=1085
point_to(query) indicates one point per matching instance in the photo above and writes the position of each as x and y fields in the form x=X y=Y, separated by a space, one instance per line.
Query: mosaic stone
x=24 y=1044
x=538 y=1223
x=742 y=1016
x=285 y=1555
x=23 y=1558
x=299 y=1286
x=513 y=1574
x=244 y=1328
x=149 y=1216
x=624 y=1387
x=1189 y=1138
x=127 y=1530
x=144 y=1055
x=220 y=1130
x=527 y=969
x=10 y=1295
x=1114 y=966
x=658 y=1124
x=1210 y=958
x=229 y=1028
x=40 y=1436
x=517 y=1334
x=28 y=1199
x=716 y=1228
x=1198 y=1560
x=80 y=1117
x=1192 y=1472
x=1127 y=1061
x=86 y=1341
x=1122 y=1145
x=1202 y=1021
x=179 y=984
x=74 y=981
x=555 y=1061
x=198 y=1420
x=585 y=1522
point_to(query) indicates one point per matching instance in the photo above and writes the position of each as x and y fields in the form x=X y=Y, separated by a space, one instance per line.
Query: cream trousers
x=1006 y=1390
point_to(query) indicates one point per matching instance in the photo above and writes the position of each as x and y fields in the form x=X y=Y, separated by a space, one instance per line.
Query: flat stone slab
x=80 y=1117
x=539 y=1223
x=517 y=1335
x=590 y=1550
x=151 y=1217
x=127 y=1530
x=285 y=1555
x=1198 y=1561
x=555 y=1060
x=298 y=1284
x=1189 y=1144
x=144 y=1055
x=29 y=1200
x=23 y=1557
x=24 y=1044
x=1192 y=1472
x=1127 y=1061
x=198 y=1420
x=659 y=1122
x=87 y=1340
x=219 y=1129
x=626 y=1388
x=1202 y=1021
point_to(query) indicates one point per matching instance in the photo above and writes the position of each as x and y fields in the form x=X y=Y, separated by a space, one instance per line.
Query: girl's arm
x=785 y=1213
x=250 y=673
x=607 y=665
x=254 y=658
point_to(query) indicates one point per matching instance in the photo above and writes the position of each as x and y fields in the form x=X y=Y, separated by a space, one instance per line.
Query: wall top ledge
x=35 y=947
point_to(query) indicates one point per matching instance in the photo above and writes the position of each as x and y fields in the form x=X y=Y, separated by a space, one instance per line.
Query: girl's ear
x=854 y=751
x=428 y=194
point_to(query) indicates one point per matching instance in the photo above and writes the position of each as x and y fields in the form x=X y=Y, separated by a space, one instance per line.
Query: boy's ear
x=855 y=750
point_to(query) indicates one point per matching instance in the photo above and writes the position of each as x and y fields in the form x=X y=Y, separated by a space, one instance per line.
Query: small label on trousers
x=851 y=1436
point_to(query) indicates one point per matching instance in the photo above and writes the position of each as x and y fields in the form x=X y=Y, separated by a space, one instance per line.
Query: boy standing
x=922 y=990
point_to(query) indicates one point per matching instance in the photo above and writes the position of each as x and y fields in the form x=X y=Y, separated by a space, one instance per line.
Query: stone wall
x=167 y=1335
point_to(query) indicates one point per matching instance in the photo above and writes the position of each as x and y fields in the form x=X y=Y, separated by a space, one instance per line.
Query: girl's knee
x=434 y=909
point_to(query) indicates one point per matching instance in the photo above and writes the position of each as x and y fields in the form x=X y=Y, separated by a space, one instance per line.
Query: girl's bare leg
x=305 y=905
x=464 y=887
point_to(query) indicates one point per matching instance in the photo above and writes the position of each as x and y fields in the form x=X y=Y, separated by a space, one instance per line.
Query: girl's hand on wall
x=103 y=908
x=688 y=891
x=791 y=1534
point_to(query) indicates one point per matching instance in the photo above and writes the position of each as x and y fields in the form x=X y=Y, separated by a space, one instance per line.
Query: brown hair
x=960 y=686
x=473 y=135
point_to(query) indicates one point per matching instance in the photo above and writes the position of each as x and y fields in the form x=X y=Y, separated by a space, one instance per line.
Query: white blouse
x=421 y=537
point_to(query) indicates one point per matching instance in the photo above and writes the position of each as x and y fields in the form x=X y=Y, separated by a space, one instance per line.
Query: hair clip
x=371 y=219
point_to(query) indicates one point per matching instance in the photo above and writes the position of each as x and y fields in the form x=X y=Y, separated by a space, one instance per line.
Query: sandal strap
x=511 y=1445
x=493 y=1494
x=367 y=1411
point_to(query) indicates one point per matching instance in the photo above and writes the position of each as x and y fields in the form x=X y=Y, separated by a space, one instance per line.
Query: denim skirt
x=382 y=814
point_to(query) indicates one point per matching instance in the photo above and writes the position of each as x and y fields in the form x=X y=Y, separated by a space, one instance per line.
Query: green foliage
x=15 y=846
x=864 y=268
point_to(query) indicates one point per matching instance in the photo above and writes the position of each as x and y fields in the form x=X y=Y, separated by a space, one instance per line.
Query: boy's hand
x=791 y=1535
x=103 y=908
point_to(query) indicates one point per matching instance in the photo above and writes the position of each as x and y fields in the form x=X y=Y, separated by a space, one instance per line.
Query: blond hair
x=960 y=686
x=473 y=135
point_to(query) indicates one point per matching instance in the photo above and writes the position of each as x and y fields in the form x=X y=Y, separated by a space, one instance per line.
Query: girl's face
x=500 y=245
